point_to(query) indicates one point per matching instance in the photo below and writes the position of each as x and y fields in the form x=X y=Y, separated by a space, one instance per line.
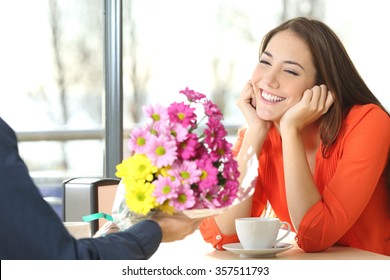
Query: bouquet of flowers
x=179 y=161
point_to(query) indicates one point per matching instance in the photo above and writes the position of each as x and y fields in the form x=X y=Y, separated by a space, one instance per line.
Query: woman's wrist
x=256 y=133
x=287 y=130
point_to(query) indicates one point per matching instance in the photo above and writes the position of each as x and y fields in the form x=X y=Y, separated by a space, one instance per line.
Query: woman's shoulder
x=369 y=113
x=369 y=120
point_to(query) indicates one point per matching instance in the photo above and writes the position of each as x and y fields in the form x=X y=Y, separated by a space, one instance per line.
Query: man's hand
x=175 y=227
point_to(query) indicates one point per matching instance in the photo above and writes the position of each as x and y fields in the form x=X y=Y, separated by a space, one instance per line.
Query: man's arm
x=32 y=230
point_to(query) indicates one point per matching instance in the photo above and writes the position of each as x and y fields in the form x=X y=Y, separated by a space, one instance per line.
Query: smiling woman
x=322 y=139
x=282 y=75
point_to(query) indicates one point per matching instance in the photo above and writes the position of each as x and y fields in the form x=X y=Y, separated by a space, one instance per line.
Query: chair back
x=85 y=196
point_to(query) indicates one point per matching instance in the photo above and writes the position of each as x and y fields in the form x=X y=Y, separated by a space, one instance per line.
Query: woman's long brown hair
x=336 y=70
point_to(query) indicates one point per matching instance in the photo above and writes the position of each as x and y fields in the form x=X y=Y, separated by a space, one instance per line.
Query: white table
x=194 y=248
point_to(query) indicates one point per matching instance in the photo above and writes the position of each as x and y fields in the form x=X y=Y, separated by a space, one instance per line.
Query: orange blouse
x=354 y=209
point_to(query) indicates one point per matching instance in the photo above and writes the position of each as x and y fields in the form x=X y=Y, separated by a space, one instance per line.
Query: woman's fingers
x=314 y=103
x=246 y=91
x=318 y=99
x=329 y=100
x=247 y=96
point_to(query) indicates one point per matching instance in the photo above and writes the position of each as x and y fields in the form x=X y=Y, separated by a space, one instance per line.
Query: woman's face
x=285 y=70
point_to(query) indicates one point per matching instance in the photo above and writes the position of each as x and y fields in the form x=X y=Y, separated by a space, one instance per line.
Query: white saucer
x=237 y=248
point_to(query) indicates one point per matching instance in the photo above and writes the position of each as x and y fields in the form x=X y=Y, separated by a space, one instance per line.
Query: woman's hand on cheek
x=246 y=102
x=315 y=102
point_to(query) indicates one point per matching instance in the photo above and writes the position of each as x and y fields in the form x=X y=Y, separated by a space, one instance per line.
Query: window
x=52 y=90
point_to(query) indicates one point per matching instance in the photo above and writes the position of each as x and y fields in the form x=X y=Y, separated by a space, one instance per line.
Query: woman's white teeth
x=271 y=98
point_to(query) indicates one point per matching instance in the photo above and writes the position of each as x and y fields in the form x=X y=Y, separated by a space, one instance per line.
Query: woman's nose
x=271 y=79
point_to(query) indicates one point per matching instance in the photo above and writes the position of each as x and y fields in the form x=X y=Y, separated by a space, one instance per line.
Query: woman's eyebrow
x=286 y=61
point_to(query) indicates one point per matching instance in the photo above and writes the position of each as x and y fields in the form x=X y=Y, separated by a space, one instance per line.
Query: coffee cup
x=260 y=233
x=78 y=229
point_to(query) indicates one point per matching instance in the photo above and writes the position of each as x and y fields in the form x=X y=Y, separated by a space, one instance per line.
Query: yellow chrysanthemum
x=139 y=197
x=164 y=171
x=136 y=168
x=167 y=208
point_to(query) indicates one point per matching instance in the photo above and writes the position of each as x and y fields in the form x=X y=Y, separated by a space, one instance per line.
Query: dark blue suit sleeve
x=30 y=229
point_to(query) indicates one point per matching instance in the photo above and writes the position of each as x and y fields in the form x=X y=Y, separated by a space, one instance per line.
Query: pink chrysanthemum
x=210 y=197
x=178 y=131
x=185 y=198
x=165 y=189
x=219 y=150
x=202 y=152
x=230 y=170
x=161 y=151
x=182 y=113
x=228 y=194
x=212 y=110
x=192 y=95
x=159 y=129
x=185 y=172
x=215 y=129
x=138 y=140
x=209 y=173
x=156 y=113
x=188 y=148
